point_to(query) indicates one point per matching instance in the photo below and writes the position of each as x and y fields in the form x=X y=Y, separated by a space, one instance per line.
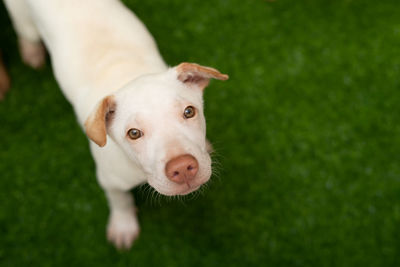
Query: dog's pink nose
x=182 y=168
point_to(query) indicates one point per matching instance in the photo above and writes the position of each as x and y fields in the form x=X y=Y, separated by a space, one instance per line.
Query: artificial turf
x=306 y=132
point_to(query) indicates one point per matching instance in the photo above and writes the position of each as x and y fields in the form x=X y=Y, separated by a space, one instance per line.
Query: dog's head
x=158 y=121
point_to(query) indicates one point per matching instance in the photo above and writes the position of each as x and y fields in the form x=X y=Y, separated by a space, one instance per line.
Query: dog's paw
x=33 y=53
x=4 y=81
x=122 y=230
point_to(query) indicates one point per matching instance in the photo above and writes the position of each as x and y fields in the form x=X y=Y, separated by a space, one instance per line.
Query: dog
x=144 y=119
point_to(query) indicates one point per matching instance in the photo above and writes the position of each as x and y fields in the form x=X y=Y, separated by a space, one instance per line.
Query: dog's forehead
x=156 y=93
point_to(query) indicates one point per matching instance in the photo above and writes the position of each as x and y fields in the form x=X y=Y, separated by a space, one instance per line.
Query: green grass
x=306 y=131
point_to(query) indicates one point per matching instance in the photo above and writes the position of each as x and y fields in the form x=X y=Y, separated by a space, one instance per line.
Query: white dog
x=145 y=120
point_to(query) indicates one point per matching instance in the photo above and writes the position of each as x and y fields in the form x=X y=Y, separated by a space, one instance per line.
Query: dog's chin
x=178 y=190
x=188 y=191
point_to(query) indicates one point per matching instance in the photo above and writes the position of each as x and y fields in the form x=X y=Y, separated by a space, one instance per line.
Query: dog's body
x=95 y=46
x=109 y=68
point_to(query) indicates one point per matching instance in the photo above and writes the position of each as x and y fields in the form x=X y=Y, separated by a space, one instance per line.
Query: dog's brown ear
x=96 y=124
x=194 y=74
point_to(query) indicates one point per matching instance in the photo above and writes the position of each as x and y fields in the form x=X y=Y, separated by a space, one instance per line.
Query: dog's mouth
x=177 y=190
x=180 y=191
x=189 y=190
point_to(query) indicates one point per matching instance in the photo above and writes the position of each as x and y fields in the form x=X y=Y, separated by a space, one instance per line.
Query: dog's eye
x=189 y=112
x=135 y=133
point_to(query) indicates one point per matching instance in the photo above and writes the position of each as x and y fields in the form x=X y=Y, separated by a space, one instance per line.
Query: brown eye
x=189 y=112
x=134 y=133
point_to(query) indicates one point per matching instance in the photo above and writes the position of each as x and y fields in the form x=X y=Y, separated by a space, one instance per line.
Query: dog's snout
x=182 y=168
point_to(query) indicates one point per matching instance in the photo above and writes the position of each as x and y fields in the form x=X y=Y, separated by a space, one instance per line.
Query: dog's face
x=158 y=121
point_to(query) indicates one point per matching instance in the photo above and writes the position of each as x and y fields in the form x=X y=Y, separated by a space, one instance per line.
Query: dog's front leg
x=123 y=227
x=31 y=48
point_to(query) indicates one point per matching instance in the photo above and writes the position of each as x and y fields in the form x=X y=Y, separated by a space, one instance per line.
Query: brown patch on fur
x=193 y=73
x=4 y=80
x=95 y=125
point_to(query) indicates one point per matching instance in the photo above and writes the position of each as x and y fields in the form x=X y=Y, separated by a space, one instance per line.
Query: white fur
x=99 y=48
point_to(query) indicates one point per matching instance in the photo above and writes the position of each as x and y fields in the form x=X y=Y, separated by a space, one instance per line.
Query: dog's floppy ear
x=194 y=74
x=96 y=124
